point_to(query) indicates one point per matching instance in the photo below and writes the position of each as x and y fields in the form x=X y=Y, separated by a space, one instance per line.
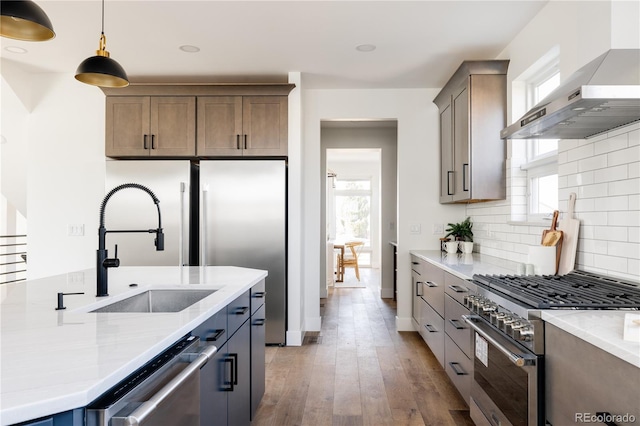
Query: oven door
x=507 y=387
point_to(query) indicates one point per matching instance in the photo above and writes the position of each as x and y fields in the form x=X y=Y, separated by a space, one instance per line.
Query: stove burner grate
x=577 y=289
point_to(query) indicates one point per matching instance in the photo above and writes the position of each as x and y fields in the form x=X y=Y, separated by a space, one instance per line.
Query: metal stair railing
x=13 y=258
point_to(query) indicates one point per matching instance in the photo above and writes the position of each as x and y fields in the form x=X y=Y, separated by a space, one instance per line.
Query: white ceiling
x=419 y=43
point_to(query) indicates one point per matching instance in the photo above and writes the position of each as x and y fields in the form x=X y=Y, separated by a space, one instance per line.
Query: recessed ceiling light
x=15 y=49
x=365 y=48
x=189 y=49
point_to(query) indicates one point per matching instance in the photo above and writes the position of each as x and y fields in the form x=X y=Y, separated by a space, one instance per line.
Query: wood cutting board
x=570 y=227
x=553 y=237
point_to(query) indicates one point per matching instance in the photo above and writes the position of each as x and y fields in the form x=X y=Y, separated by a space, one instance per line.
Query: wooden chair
x=350 y=258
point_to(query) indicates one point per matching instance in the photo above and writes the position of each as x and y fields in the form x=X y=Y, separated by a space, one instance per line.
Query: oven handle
x=520 y=360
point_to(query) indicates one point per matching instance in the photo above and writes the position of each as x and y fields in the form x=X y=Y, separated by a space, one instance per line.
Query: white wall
x=418 y=178
x=602 y=171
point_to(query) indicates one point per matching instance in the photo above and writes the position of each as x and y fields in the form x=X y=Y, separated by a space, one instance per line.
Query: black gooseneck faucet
x=104 y=262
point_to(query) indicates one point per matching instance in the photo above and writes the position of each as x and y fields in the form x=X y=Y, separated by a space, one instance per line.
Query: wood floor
x=358 y=371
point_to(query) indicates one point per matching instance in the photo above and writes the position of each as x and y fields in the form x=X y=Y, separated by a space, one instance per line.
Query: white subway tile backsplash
x=592 y=191
x=592 y=163
x=622 y=249
x=604 y=172
x=606 y=204
x=626 y=218
x=624 y=187
x=611 y=233
x=612 y=144
x=624 y=156
x=612 y=173
x=581 y=152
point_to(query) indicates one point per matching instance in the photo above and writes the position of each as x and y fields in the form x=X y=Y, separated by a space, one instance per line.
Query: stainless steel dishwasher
x=165 y=391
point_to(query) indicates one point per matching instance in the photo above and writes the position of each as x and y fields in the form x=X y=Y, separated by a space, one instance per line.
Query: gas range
x=512 y=303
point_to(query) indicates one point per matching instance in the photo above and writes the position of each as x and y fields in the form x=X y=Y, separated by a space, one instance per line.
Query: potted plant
x=462 y=232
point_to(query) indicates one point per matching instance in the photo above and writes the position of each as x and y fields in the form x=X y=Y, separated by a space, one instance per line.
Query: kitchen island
x=58 y=360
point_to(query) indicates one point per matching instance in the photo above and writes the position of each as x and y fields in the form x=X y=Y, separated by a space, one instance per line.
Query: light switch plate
x=415 y=228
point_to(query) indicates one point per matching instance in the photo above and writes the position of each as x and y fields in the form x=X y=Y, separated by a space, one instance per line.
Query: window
x=352 y=204
x=541 y=163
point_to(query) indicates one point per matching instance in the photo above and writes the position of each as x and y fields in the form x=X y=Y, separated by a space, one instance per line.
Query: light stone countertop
x=602 y=328
x=54 y=361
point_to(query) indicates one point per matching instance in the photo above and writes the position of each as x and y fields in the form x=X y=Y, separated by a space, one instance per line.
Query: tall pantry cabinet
x=472 y=107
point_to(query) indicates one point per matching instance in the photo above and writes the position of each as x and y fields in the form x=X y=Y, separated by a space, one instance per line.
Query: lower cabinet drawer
x=238 y=312
x=459 y=368
x=432 y=331
x=455 y=326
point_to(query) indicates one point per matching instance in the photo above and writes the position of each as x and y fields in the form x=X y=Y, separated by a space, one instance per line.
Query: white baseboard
x=313 y=324
x=404 y=324
x=294 y=338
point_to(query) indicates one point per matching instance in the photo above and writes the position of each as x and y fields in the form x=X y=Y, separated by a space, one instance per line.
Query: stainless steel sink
x=157 y=301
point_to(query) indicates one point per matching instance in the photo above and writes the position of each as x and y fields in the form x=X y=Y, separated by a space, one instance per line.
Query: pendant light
x=25 y=20
x=101 y=70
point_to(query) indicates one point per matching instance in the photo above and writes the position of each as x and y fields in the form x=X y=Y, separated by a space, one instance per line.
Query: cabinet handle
x=245 y=141
x=457 y=369
x=235 y=368
x=153 y=141
x=259 y=294
x=146 y=146
x=237 y=141
x=216 y=336
x=458 y=289
x=465 y=167
x=449 y=174
x=228 y=360
x=241 y=311
x=415 y=263
x=430 y=328
x=259 y=322
x=430 y=284
x=456 y=324
x=418 y=287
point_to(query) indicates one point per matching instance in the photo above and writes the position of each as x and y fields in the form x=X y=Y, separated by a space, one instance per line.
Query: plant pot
x=466 y=247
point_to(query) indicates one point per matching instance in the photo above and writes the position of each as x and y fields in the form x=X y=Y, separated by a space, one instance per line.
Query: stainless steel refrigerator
x=214 y=212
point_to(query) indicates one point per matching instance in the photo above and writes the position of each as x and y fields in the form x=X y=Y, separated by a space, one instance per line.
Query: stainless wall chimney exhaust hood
x=602 y=95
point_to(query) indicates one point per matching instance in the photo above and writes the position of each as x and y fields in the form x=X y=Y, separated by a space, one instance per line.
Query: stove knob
x=502 y=322
x=495 y=317
x=523 y=334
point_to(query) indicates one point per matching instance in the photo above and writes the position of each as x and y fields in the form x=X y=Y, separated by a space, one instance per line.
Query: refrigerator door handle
x=183 y=187
x=203 y=228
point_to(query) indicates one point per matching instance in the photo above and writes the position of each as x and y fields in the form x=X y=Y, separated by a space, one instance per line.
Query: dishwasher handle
x=147 y=408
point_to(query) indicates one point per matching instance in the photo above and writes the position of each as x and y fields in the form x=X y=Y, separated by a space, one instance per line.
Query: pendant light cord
x=102 y=16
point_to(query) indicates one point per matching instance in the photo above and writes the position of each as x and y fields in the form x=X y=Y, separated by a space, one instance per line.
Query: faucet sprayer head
x=159 y=242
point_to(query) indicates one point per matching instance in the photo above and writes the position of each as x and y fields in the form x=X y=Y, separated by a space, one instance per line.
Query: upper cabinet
x=242 y=125
x=178 y=121
x=472 y=108
x=156 y=126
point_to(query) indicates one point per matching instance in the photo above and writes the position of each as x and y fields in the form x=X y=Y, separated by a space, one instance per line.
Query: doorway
x=359 y=199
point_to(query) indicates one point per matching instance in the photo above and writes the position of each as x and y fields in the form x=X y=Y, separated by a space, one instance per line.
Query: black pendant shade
x=101 y=70
x=24 y=20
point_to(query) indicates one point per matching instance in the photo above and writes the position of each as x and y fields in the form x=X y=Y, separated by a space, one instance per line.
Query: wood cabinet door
x=447 y=178
x=173 y=126
x=461 y=145
x=265 y=125
x=220 y=126
x=127 y=123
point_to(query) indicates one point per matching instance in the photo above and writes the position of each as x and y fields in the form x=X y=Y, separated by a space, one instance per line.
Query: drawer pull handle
x=457 y=324
x=415 y=263
x=259 y=322
x=430 y=328
x=218 y=333
x=144 y=139
x=458 y=289
x=259 y=294
x=430 y=284
x=241 y=311
x=457 y=369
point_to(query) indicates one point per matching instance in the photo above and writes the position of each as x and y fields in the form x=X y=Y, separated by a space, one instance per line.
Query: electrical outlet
x=438 y=229
x=415 y=228
x=75 y=230
x=75 y=278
